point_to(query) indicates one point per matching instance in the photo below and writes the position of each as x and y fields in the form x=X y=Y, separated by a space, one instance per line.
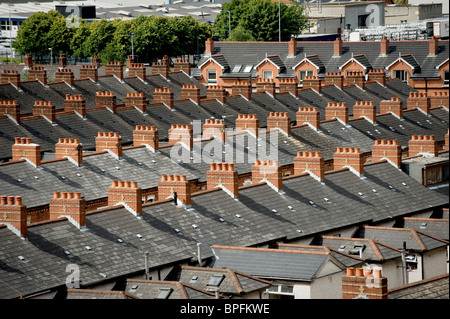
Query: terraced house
x=159 y=182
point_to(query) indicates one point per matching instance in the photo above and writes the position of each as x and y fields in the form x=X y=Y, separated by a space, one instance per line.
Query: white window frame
x=304 y=73
x=404 y=77
x=267 y=74
x=446 y=78
x=209 y=79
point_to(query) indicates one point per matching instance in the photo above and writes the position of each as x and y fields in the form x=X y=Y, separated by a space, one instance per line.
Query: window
x=357 y=249
x=215 y=280
x=411 y=262
x=267 y=74
x=302 y=74
x=281 y=292
x=446 y=78
x=193 y=280
x=212 y=76
x=163 y=293
x=401 y=75
x=434 y=175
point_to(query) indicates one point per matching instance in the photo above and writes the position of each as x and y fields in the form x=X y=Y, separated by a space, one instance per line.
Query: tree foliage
x=153 y=37
x=259 y=20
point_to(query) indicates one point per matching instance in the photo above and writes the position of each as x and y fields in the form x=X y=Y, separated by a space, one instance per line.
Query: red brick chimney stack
x=216 y=92
x=161 y=68
x=209 y=46
x=225 y=176
x=14 y=214
x=439 y=99
x=378 y=75
x=384 y=47
x=308 y=115
x=336 y=78
x=265 y=85
x=37 y=73
x=312 y=82
x=242 y=88
x=279 y=120
x=190 y=91
x=423 y=145
x=146 y=135
x=419 y=101
x=11 y=76
x=75 y=103
x=387 y=149
x=65 y=75
x=129 y=60
x=337 y=48
x=181 y=133
x=349 y=157
x=247 y=122
x=89 y=71
x=137 y=69
x=433 y=46
x=268 y=171
x=109 y=141
x=45 y=109
x=337 y=111
x=289 y=86
x=182 y=65
x=69 y=205
x=360 y=284
x=136 y=100
x=62 y=61
x=28 y=60
x=366 y=109
x=128 y=194
x=171 y=184
x=106 y=99
x=311 y=162
x=114 y=68
x=69 y=147
x=24 y=149
x=215 y=128
x=394 y=106
x=163 y=95
x=292 y=47
x=355 y=78
x=11 y=108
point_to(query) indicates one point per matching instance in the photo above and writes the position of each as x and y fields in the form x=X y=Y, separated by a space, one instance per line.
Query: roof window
x=193 y=280
x=163 y=293
x=215 y=280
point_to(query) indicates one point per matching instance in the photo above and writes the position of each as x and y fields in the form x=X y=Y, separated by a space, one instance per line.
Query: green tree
x=240 y=34
x=260 y=18
x=42 y=31
x=100 y=34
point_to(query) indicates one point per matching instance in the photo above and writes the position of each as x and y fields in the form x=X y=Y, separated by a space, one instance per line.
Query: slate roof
x=95 y=294
x=438 y=228
x=431 y=288
x=278 y=264
x=372 y=250
x=92 y=179
x=149 y=289
x=416 y=240
x=233 y=283
x=171 y=233
x=253 y=53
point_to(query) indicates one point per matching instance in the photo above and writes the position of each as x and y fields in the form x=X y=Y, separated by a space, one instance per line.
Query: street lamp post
x=279 y=22
x=51 y=56
x=132 y=44
x=229 y=23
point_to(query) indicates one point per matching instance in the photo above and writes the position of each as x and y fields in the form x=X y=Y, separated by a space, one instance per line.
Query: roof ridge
x=269 y=250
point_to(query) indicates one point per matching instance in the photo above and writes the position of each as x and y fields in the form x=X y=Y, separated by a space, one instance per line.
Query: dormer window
x=402 y=75
x=267 y=74
x=304 y=73
x=212 y=77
